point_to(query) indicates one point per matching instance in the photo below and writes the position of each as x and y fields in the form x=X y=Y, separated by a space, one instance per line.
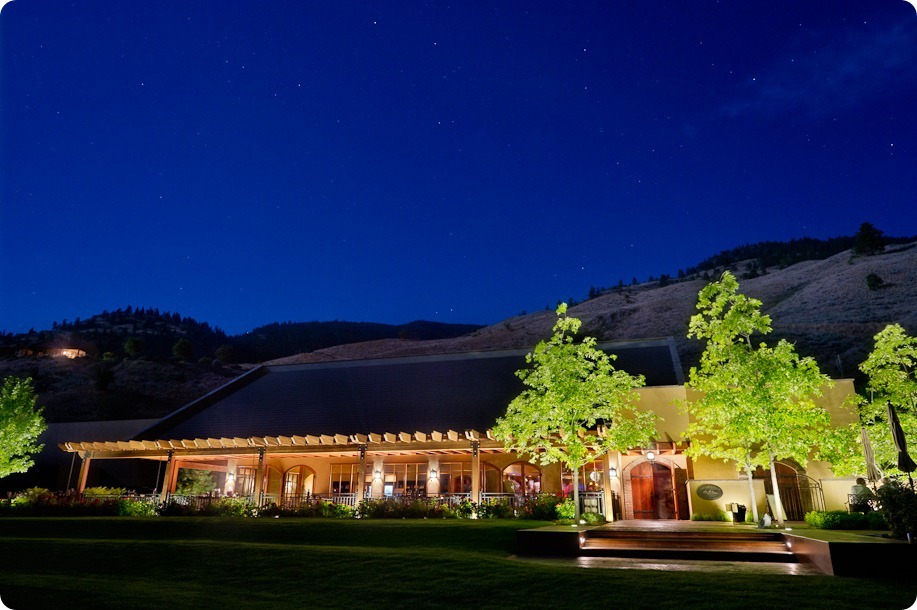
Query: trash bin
x=738 y=513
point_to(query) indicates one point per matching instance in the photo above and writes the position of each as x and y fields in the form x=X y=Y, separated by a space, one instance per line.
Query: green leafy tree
x=183 y=350
x=193 y=482
x=869 y=240
x=891 y=368
x=874 y=282
x=576 y=405
x=758 y=402
x=20 y=425
x=133 y=347
x=226 y=354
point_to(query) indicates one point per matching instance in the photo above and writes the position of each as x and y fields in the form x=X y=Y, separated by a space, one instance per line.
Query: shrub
x=566 y=510
x=875 y=520
x=466 y=509
x=39 y=502
x=899 y=507
x=233 y=507
x=836 y=520
x=389 y=508
x=720 y=516
x=874 y=282
x=593 y=518
x=496 y=508
x=103 y=491
x=542 y=507
x=137 y=508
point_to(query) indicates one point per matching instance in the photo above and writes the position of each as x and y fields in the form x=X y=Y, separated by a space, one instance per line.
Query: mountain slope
x=823 y=306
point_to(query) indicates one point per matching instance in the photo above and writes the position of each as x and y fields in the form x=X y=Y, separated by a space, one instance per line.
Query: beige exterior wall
x=663 y=401
x=734 y=491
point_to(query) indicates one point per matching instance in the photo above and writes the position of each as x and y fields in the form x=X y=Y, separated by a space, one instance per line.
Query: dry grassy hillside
x=825 y=307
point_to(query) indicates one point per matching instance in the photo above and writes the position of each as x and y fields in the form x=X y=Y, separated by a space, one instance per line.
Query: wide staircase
x=749 y=545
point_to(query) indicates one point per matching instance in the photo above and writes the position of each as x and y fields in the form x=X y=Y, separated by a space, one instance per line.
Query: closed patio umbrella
x=905 y=463
x=872 y=471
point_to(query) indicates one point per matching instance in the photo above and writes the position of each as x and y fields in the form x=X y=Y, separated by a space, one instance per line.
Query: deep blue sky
x=245 y=163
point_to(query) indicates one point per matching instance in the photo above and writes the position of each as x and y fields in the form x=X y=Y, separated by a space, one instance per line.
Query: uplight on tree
x=757 y=404
x=576 y=406
x=891 y=368
x=20 y=425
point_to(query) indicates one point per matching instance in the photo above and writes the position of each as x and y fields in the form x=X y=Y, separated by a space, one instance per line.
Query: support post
x=606 y=488
x=84 y=472
x=167 y=478
x=361 y=476
x=259 y=478
x=476 y=472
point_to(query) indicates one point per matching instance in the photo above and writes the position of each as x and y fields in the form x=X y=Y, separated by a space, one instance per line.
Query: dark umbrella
x=905 y=463
x=872 y=471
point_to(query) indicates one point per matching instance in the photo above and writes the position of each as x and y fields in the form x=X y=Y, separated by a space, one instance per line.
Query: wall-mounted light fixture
x=613 y=472
x=377 y=475
x=651 y=455
x=595 y=476
x=432 y=473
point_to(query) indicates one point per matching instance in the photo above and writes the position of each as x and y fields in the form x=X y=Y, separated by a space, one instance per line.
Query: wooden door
x=642 y=490
x=652 y=491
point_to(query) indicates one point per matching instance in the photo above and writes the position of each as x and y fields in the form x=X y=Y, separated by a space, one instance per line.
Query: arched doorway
x=522 y=478
x=652 y=491
x=297 y=482
x=799 y=493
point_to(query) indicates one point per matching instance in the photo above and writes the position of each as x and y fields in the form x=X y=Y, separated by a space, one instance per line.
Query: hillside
x=823 y=306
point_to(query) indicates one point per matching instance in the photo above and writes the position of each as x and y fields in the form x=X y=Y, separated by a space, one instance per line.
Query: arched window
x=590 y=478
x=522 y=478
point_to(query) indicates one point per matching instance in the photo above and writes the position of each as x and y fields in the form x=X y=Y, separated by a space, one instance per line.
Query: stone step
x=752 y=535
x=687 y=545
x=698 y=554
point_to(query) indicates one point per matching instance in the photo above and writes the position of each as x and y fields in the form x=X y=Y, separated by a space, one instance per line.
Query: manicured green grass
x=316 y=563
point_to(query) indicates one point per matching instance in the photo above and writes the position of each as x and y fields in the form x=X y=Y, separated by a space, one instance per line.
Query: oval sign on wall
x=709 y=491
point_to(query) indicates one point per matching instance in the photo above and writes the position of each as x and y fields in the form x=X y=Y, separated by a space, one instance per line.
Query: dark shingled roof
x=421 y=393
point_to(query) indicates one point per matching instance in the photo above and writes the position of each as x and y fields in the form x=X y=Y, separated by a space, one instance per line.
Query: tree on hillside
x=892 y=371
x=183 y=350
x=20 y=425
x=758 y=403
x=133 y=347
x=869 y=240
x=576 y=406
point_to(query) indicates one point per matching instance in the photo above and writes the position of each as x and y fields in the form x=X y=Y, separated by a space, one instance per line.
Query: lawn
x=317 y=563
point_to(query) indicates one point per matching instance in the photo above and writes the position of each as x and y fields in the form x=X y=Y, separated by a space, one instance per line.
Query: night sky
x=246 y=163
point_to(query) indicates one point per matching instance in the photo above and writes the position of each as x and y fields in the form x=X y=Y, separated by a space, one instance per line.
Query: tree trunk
x=576 y=514
x=751 y=493
x=779 y=508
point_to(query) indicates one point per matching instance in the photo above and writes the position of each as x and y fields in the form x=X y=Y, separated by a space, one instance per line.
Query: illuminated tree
x=193 y=482
x=891 y=368
x=20 y=425
x=758 y=402
x=576 y=406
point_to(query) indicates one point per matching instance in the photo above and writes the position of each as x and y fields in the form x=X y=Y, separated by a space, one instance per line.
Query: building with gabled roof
x=413 y=426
